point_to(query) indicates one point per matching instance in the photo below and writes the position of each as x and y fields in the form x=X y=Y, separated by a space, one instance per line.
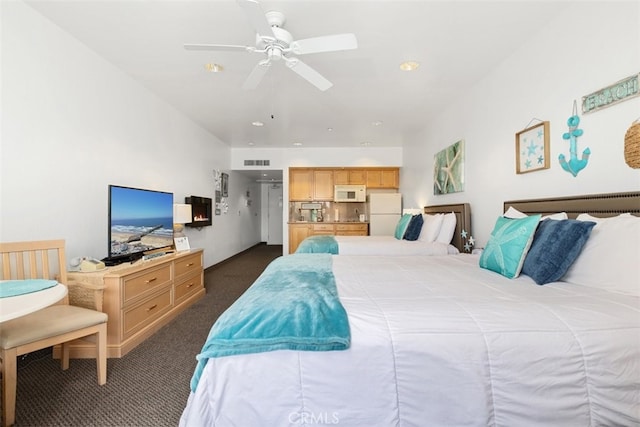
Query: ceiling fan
x=277 y=44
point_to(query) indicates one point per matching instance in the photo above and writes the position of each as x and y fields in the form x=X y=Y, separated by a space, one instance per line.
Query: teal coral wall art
x=574 y=165
x=532 y=148
x=448 y=169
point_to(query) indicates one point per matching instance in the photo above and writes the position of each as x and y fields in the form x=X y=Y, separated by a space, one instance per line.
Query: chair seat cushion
x=48 y=322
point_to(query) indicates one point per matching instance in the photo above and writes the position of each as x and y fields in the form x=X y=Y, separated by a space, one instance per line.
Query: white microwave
x=350 y=193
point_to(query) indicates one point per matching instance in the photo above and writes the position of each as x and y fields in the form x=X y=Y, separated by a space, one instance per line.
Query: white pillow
x=516 y=214
x=609 y=259
x=447 y=229
x=587 y=217
x=430 y=227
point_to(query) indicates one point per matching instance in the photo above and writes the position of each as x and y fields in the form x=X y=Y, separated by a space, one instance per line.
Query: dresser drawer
x=187 y=286
x=188 y=264
x=352 y=227
x=322 y=227
x=147 y=282
x=143 y=314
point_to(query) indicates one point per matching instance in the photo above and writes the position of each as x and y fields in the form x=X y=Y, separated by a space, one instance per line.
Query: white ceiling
x=455 y=42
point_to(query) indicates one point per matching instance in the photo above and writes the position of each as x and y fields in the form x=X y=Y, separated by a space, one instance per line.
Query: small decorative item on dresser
x=632 y=145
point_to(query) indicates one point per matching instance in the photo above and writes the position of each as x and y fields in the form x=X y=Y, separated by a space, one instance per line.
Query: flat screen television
x=139 y=221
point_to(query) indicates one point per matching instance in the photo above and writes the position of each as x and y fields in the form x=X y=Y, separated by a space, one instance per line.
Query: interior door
x=274 y=215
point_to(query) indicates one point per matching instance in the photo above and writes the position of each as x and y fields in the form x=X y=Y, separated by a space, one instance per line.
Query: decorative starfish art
x=469 y=241
x=448 y=171
x=574 y=165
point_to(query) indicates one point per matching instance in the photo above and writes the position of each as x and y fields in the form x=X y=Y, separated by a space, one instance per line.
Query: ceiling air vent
x=257 y=162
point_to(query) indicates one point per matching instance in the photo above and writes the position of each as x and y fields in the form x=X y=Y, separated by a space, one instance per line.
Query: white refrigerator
x=385 y=210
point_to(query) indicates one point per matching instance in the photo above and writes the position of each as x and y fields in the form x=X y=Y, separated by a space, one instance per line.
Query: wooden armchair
x=56 y=324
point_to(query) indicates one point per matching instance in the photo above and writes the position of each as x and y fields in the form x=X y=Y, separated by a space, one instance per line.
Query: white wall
x=72 y=124
x=590 y=46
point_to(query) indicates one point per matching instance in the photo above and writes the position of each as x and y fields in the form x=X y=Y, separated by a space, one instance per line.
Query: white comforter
x=437 y=341
x=389 y=245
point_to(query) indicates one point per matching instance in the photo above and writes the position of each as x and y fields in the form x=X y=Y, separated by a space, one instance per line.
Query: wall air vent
x=257 y=162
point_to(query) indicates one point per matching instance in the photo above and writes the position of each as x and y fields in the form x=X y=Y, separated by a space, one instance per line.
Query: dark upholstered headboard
x=463 y=220
x=599 y=205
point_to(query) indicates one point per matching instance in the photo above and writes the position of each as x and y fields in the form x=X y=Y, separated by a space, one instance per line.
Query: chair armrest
x=87 y=295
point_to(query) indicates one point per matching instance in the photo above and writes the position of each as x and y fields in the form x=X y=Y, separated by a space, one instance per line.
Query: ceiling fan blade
x=309 y=74
x=256 y=17
x=218 y=47
x=256 y=75
x=332 y=43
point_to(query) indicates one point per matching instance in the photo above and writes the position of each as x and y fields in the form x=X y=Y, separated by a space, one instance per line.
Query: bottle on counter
x=336 y=214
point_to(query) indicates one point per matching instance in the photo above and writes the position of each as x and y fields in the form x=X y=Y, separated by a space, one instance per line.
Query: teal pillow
x=414 y=228
x=508 y=245
x=555 y=247
x=401 y=227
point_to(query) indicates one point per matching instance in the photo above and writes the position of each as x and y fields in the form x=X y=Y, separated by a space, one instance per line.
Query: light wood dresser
x=142 y=297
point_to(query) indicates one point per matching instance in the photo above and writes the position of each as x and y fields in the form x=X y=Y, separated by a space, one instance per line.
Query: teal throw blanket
x=318 y=245
x=12 y=288
x=293 y=305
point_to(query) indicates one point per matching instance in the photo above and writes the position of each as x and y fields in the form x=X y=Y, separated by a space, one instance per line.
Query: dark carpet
x=150 y=385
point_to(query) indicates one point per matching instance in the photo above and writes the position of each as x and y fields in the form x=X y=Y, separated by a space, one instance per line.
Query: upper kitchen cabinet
x=300 y=184
x=358 y=176
x=341 y=177
x=317 y=184
x=348 y=176
x=383 y=178
x=323 y=185
x=310 y=184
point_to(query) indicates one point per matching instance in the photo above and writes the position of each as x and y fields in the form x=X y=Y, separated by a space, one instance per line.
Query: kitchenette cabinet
x=316 y=184
x=301 y=230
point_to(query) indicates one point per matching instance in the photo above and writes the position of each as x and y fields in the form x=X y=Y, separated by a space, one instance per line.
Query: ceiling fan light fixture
x=257 y=123
x=277 y=44
x=409 y=66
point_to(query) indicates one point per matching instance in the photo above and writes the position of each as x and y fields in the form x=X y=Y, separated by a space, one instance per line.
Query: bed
x=392 y=246
x=439 y=341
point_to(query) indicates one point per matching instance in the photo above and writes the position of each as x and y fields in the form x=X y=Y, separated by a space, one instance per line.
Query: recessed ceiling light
x=251 y=143
x=329 y=129
x=365 y=143
x=377 y=123
x=409 y=66
x=297 y=143
x=214 y=68
x=257 y=123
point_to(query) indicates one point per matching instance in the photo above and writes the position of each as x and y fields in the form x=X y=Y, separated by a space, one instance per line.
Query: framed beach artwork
x=448 y=169
x=532 y=148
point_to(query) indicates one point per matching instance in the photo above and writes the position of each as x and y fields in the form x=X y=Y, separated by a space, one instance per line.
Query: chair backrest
x=44 y=259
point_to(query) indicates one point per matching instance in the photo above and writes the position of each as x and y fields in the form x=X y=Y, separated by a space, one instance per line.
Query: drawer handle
x=189 y=285
x=190 y=264
x=151 y=280
x=152 y=307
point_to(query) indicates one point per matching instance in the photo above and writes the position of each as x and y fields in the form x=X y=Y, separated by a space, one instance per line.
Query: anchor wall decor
x=574 y=165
